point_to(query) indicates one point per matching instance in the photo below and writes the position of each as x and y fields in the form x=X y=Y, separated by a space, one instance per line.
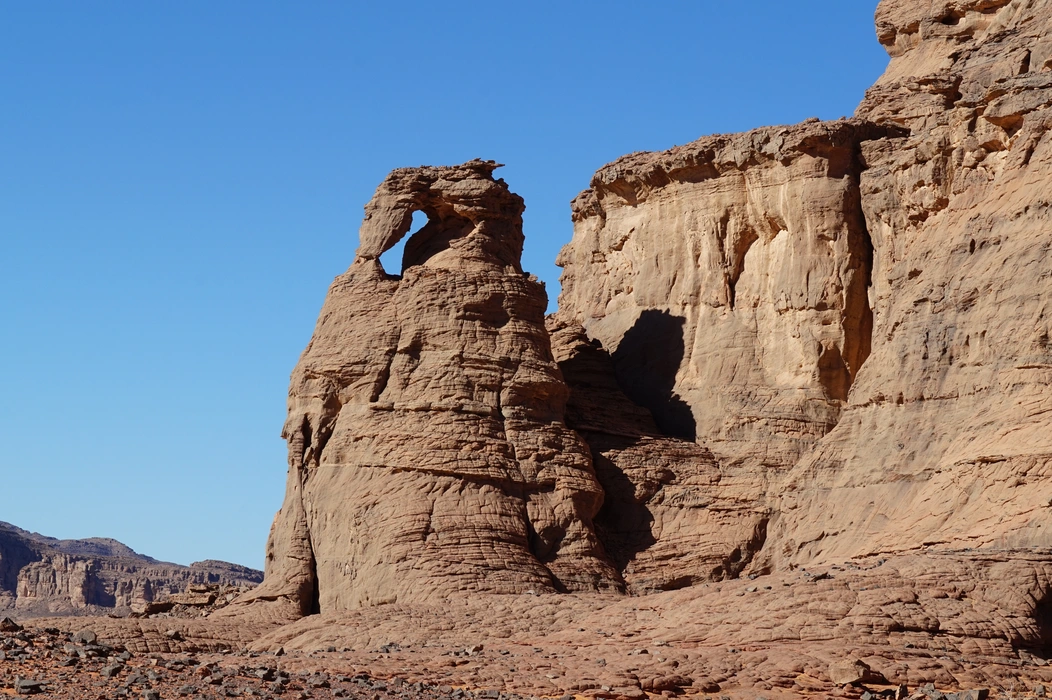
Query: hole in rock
x=679 y=583
x=394 y=259
x=436 y=238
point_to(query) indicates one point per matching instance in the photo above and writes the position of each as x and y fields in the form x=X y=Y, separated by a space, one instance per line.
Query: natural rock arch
x=467 y=223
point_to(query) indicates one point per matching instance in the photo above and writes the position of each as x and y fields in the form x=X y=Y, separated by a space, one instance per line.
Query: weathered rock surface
x=728 y=279
x=672 y=516
x=946 y=438
x=852 y=316
x=427 y=450
x=43 y=576
x=797 y=392
x=726 y=282
x=913 y=620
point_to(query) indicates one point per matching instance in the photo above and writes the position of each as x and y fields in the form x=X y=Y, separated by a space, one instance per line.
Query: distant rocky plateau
x=788 y=434
x=44 y=576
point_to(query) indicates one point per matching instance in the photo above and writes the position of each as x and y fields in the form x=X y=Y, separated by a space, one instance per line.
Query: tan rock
x=728 y=279
x=194 y=598
x=849 y=672
x=725 y=285
x=427 y=449
x=852 y=319
x=946 y=439
x=815 y=355
x=672 y=516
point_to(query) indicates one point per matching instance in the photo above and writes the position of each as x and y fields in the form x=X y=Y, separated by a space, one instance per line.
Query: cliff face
x=728 y=278
x=672 y=516
x=854 y=313
x=946 y=439
x=824 y=345
x=427 y=449
x=41 y=575
x=729 y=281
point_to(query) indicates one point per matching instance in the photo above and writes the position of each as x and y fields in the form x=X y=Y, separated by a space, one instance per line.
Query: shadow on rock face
x=646 y=363
x=611 y=423
x=1042 y=616
x=663 y=521
x=623 y=523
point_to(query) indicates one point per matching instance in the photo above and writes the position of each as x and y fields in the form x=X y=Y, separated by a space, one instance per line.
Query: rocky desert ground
x=789 y=433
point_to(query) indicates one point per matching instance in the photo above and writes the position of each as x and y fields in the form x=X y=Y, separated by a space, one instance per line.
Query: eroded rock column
x=427 y=449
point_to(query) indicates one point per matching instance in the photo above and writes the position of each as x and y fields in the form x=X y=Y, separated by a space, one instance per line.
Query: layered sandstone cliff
x=861 y=302
x=946 y=438
x=42 y=575
x=728 y=281
x=818 y=354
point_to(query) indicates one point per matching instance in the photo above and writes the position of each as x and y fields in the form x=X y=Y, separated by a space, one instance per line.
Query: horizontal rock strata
x=946 y=438
x=671 y=515
x=851 y=316
x=729 y=280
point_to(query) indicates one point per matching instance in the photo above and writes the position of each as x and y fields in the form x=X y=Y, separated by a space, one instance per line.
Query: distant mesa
x=42 y=575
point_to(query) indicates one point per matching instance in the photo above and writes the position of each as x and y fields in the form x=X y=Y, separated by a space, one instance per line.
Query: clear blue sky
x=180 y=182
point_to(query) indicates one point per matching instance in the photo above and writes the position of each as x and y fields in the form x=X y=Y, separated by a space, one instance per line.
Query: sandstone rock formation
x=427 y=449
x=671 y=515
x=44 y=576
x=797 y=392
x=946 y=438
x=729 y=280
x=759 y=340
x=852 y=316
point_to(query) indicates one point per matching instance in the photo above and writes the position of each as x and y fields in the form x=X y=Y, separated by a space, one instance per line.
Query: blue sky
x=180 y=182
